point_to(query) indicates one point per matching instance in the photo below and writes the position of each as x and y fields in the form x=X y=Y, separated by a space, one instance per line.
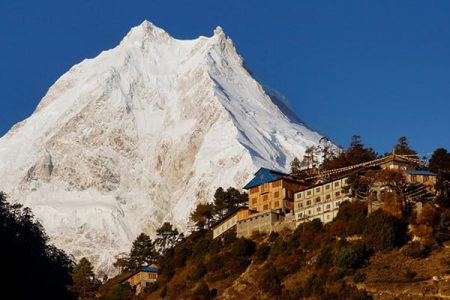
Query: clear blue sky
x=380 y=69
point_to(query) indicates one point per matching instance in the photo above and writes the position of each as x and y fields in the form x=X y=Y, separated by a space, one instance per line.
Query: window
x=327 y=187
x=300 y=215
x=317 y=199
x=298 y=195
x=425 y=178
x=328 y=206
x=253 y=190
x=328 y=217
x=317 y=189
x=265 y=197
x=266 y=207
x=276 y=195
x=337 y=194
x=319 y=209
x=277 y=203
x=300 y=205
x=254 y=200
x=328 y=197
x=346 y=181
x=336 y=184
x=338 y=203
x=276 y=183
x=309 y=211
x=308 y=193
x=308 y=202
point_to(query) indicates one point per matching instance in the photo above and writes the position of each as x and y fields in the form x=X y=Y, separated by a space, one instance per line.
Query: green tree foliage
x=402 y=147
x=295 y=166
x=227 y=201
x=383 y=231
x=85 y=284
x=202 y=216
x=142 y=252
x=166 y=237
x=440 y=164
x=356 y=153
x=310 y=158
x=32 y=268
x=119 y=292
x=440 y=161
x=350 y=256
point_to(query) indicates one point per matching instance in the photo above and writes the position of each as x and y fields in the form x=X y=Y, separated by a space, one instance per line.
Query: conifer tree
x=295 y=166
x=402 y=147
x=166 y=237
x=142 y=252
x=203 y=215
x=85 y=284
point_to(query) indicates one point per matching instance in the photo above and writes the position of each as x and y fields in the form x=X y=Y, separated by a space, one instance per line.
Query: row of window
x=319 y=189
x=317 y=210
x=319 y=199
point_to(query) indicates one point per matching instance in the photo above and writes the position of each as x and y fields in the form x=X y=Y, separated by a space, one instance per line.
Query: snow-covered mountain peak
x=139 y=135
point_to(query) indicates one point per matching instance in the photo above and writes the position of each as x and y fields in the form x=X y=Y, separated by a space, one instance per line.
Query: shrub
x=270 y=281
x=349 y=257
x=198 y=272
x=359 y=276
x=383 y=231
x=202 y=291
x=279 y=246
x=410 y=275
x=201 y=247
x=119 y=292
x=262 y=252
x=416 y=250
x=243 y=247
x=325 y=258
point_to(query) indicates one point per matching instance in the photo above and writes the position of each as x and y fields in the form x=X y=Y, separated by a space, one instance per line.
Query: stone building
x=139 y=280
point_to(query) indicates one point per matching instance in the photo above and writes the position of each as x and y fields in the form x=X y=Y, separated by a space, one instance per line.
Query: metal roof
x=264 y=175
x=420 y=172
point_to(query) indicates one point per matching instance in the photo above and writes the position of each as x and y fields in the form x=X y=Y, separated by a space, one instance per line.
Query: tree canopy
x=33 y=268
x=142 y=252
x=85 y=284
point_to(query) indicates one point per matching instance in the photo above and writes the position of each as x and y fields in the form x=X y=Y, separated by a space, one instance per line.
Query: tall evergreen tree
x=202 y=216
x=85 y=284
x=402 y=147
x=226 y=201
x=166 y=237
x=142 y=252
x=295 y=166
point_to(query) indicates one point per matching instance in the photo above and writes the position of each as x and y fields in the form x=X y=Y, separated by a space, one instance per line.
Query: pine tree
x=166 y=237
x=295 y=166
x=84 y=282
x=402 y=147
x=142 y=252
x=226 y=201
x=203 y=215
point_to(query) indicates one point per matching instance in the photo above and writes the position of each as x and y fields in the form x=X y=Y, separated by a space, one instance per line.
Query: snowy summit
x=139 y=135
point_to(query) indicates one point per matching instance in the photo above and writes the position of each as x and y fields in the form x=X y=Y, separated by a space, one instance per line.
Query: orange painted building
x=272 y=190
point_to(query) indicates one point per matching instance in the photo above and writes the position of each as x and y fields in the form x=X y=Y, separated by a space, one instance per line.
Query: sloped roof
x=420 y=172
x=265 y=175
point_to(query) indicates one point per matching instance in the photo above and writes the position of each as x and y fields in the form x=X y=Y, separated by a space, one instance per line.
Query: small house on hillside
x=139 y=280
x=228 y=223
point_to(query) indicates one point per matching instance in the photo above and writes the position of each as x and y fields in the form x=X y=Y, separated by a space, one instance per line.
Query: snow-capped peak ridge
x=139 y=135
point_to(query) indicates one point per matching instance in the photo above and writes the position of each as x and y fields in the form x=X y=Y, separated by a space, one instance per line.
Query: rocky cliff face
x=139 y=135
